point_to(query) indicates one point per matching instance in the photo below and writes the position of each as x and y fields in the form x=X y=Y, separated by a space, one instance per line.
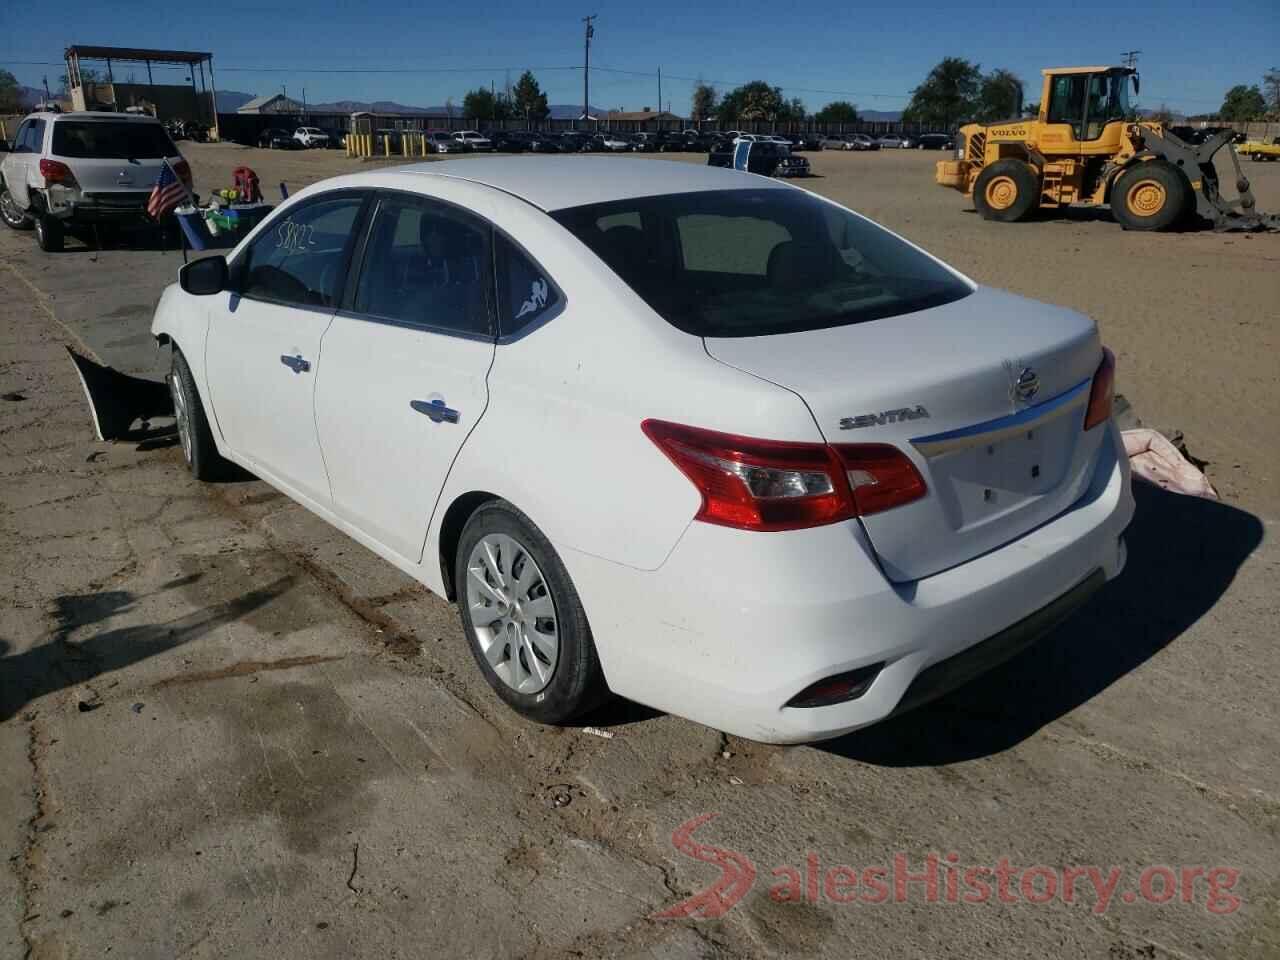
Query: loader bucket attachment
x=1197 y=163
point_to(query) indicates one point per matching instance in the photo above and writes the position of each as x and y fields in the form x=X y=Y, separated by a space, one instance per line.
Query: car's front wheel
x=194 y=433
x=14 y=217
x=523 y=619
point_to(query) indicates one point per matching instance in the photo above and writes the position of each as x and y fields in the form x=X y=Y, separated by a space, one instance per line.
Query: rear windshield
x=749 y=263
x=111 y=139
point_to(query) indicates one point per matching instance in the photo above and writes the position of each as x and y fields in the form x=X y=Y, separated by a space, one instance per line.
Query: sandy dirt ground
x=228 y=730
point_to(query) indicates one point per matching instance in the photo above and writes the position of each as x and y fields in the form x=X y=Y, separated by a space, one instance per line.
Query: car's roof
x=555 y=183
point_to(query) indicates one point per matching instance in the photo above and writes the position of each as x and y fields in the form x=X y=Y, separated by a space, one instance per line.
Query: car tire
x=49 y=233
x=1007 y=191
x=1152 y=195
x=195 y=436
x=14 y=217
x=536 y=650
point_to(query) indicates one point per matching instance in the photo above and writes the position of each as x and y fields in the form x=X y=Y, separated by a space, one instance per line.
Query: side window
x=20 y=138
x=427 y=264
x=1096 y=118
x=1066 y=100
x=300 y=258
x=525 y=292
x=37 y=136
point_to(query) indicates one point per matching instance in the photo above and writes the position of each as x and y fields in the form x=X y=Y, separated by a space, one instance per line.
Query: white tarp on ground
x=1158 y=461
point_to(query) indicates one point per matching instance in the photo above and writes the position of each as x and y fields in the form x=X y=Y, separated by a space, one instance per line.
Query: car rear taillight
x=55 y=171
x=1102 y=392
x=183 y=170
x=880 y=476
x=755 y=484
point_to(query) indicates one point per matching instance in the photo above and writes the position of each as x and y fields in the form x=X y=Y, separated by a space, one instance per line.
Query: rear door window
x=300 y=258
x=31 y=137
x=428 y=264
x=111 y=139
x=20 y=144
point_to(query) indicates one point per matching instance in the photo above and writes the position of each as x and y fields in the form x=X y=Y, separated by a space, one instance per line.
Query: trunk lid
x=952 y=387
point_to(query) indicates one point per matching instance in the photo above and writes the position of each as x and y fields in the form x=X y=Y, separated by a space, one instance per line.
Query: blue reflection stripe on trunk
x=1028 y=415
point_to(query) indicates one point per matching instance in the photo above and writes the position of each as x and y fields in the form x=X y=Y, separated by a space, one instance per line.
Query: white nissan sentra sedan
x=686 y=434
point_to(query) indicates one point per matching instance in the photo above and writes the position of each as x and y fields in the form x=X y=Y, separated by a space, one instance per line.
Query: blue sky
x=820 y=51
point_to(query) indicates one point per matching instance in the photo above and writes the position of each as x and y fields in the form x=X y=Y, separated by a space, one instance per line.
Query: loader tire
x=1150 y=196
x=1006 y=191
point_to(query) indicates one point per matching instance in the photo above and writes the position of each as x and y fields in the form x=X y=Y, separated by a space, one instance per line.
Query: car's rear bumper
x=106 y=207
x=734 y=624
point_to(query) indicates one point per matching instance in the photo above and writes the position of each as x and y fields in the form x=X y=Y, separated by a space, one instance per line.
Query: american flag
x=166 y=194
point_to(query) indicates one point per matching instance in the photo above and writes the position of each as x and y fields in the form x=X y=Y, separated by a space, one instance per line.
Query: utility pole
x=586 y=64
x=1131 y=58
x=659 y=89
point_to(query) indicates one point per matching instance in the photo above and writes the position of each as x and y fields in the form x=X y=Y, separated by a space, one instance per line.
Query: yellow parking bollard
x=386 y=145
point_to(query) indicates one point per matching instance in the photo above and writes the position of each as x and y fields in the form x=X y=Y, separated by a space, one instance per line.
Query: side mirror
x=204 y=277
x=1137 y=85
x=4 y=146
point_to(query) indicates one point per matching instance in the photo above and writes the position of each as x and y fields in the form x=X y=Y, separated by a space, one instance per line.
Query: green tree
x=753 y=101
x=1031 y=109
x=1243 y=103
x=795 y=110
x=8 y=92
x=949 y=94
x=528 y=99
x=838 y=111
x=703 y=104
x=483 y=104
x=1000 y=97
x=1271 y=84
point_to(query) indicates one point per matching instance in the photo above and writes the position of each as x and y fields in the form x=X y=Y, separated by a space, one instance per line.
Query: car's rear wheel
x=49 y=233
x=194 y=433
x=523 y=619
x=14 y=218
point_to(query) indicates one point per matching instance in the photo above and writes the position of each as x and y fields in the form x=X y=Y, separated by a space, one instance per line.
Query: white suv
x=474 y=140
x=74 y=168
x=311 y=137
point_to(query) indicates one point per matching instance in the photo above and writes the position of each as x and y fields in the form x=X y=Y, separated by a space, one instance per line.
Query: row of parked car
x=583 y=141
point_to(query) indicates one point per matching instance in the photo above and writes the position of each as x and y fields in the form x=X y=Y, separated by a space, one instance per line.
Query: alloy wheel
x=513 y=613
x=181 y=414
x=9 y=210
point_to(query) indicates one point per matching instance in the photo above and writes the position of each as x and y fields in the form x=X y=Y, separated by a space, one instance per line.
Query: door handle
x=436 y=410
x=296 y=364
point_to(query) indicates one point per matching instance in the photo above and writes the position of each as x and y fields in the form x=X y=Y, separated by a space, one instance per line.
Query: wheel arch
x=451 y=526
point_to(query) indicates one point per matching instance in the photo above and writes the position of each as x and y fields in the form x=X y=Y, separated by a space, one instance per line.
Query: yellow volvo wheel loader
x=1085 y=148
